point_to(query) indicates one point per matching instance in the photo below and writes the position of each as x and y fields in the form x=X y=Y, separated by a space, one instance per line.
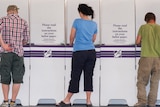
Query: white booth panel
x=82 y=94
x=47 y=75
x=117 y=22
x=117 y=75
x=47 y=22
x=118 y=80
x=72 y=13
x=23 y=95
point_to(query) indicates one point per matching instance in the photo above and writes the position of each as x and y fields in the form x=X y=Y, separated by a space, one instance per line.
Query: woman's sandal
x=62 y=104
x=89 y=105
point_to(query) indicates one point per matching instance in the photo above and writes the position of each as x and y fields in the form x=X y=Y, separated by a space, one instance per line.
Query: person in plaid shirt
x=14 y=33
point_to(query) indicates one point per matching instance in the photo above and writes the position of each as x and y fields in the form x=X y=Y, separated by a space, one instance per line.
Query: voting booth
x=117 y=52
x=47 y=36
x=71 y=14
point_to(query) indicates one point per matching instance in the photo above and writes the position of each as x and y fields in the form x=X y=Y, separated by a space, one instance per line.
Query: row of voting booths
x=48 y=57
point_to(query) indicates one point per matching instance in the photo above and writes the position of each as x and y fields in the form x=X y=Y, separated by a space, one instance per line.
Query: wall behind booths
x=48 y=57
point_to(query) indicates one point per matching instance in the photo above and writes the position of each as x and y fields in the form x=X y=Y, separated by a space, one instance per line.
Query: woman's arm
x=94 y=37
x=72 y=35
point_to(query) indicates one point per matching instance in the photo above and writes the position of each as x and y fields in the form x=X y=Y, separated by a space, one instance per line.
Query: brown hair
x=150 y=16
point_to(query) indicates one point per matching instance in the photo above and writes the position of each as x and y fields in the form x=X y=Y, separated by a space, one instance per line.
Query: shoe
x=12 y=104
x=140 y=105
x=4 y=104
x=89 y=105
x=62 y=104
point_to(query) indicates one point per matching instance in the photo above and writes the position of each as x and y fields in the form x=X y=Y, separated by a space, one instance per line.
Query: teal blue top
x=85 y=29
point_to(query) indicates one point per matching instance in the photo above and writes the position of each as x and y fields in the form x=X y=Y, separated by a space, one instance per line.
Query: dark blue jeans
x=82 y=61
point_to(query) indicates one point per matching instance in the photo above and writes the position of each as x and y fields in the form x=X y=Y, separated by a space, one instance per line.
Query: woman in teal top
x=82 y=37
